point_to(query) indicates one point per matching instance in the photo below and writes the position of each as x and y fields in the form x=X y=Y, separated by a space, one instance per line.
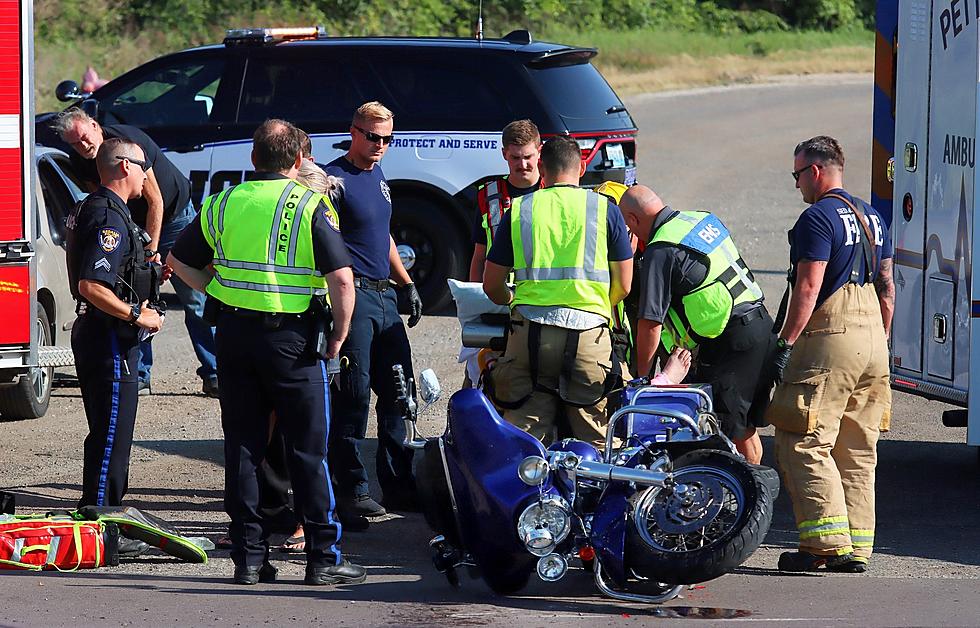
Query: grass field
x=633 y=61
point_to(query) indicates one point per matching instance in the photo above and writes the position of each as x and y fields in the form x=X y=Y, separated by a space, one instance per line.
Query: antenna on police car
x=479 y=23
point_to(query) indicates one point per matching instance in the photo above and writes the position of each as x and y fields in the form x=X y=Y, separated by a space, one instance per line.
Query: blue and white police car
x=451 y=98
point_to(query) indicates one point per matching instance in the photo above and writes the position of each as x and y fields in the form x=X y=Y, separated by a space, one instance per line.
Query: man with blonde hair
x=377 y=339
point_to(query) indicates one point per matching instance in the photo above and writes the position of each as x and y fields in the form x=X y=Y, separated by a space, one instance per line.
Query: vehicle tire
x=708 y=534
x=29 y=397
x=432 y=247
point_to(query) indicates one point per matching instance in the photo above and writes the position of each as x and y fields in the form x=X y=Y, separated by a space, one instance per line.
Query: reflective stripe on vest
x=265 y=261
x=493 y=200
x=706 y=310
x=560 y=250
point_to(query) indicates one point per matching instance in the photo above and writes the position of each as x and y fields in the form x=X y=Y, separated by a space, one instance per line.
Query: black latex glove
x=780 y=359
x=411 y=298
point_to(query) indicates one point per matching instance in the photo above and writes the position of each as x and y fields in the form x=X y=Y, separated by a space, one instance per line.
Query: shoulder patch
x=385 y=190
x=331 y=218
x=104 y=264
x=109 y=239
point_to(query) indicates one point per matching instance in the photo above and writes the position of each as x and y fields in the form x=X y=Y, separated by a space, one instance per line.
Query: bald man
x=696 y=291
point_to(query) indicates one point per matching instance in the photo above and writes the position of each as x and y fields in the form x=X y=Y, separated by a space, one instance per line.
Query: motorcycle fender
x=608 y=535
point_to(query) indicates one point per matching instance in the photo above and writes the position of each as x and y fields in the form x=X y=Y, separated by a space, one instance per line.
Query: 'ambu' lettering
x=959 y=150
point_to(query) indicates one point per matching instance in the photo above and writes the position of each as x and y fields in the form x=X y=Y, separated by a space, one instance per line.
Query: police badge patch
x=109 y=239
x=331 y=219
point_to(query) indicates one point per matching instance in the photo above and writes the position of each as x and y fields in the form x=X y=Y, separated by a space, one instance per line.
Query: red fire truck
x=27 y=351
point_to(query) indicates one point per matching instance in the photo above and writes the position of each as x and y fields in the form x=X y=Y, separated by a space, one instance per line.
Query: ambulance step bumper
x=55 y=356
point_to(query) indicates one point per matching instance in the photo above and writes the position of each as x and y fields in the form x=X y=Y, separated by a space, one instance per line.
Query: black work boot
x=805 y=561
x=247 y=574
x=344 y=573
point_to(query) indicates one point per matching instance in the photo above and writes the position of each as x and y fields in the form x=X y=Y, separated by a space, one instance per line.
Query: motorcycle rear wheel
x=710 y=523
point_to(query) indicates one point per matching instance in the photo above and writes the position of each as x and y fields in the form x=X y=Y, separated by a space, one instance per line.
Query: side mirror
x=429 y=388
x=68 y=90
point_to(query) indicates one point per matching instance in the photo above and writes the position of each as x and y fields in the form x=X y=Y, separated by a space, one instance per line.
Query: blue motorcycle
x=668 y=502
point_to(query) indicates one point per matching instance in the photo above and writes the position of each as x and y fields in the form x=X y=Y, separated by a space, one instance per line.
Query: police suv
x=451 y=98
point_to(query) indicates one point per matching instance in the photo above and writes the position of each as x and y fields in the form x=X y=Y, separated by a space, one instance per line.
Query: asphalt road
x=728 y=150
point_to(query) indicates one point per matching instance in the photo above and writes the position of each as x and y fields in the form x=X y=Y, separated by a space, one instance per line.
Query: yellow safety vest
x=705 y=311
x=261 y=233
x=560 y=249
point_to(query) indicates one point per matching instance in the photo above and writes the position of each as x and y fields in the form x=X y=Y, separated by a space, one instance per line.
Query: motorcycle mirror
x=429 y=388
x=68 y=90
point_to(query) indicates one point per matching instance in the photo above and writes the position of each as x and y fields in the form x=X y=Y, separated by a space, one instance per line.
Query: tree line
x=183 y=22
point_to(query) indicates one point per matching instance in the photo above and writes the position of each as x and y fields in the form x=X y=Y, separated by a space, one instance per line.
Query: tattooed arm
x=885 y=287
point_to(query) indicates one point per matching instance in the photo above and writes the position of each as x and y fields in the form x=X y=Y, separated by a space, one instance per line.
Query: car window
x=304 y=86
x=581 y=97
x=435 y=91
x=179 y=93
x=58 y=199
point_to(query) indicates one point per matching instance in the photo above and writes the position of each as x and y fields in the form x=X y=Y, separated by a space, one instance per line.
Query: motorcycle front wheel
x=706 y=524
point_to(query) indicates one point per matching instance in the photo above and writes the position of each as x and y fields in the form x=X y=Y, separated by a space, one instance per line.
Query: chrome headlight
x=543 y=525
x=533 y=470
x=552 y=567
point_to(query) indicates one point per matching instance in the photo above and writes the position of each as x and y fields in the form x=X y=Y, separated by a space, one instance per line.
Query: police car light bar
x=272 y=35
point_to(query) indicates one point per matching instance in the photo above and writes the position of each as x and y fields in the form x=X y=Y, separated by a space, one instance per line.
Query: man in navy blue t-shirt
x=832 y=365
x=377 y=339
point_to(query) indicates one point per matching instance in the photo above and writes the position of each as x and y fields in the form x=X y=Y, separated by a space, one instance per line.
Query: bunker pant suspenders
x=870 y=262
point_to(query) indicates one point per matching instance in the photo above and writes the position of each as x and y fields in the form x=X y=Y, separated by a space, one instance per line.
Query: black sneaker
x=144 y=388
x=805 y=561
x=359 y=506
x=344 y=573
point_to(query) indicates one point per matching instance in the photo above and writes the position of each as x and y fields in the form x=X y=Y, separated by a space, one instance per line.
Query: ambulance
x=924 y=177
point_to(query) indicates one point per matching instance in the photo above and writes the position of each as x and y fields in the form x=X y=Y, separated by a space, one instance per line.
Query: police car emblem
x=331 y=219
x=109 y=240
x=385 y=191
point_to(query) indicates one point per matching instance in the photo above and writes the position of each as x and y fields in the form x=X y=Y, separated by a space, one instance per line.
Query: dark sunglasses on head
x=374 y=137
x=145 y=165
x=796 y=173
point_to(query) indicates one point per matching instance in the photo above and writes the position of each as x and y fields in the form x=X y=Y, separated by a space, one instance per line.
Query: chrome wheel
x=701 y=508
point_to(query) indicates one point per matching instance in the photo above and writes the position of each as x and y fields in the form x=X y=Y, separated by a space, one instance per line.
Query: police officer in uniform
x=521 y=148
x=377 y=339
x=113 y=286
x=275 y=249
x=572 y=262
x=832 y=362
x=697 y=291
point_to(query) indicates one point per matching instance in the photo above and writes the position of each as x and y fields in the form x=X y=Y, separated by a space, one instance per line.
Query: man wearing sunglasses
x=163 y=209
x=832 y=364
x=377 y=339
x=111 y=283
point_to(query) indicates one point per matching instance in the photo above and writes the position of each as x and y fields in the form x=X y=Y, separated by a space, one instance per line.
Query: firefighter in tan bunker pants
x=832 y=365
